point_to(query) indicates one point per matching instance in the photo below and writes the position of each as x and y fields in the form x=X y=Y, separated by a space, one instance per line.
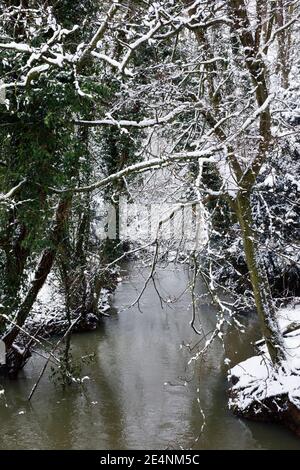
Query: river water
x=141 y=394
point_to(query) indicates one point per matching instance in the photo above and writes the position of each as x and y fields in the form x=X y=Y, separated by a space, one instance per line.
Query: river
x=140 y=393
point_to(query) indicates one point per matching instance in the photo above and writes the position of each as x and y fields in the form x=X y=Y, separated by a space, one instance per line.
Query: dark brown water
x=136 y=397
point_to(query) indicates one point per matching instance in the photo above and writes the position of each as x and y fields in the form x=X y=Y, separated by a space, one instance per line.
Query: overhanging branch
x=154 y=163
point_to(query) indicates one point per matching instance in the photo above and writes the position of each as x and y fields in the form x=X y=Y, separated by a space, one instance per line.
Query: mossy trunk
x=263 y=298
x=44 y=266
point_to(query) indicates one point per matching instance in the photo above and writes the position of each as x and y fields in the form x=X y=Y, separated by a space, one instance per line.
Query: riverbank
x=49 y=318
x=260 y=393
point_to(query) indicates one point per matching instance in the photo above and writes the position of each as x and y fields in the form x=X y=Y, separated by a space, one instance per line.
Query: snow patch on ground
x=49 y=306
x=49 y=309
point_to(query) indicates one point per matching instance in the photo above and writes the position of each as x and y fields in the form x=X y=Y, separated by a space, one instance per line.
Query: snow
x=145 y=123
x=112 y=62
x=49 y=308
x=256 y=379
x=16 y=47
x=287 y=316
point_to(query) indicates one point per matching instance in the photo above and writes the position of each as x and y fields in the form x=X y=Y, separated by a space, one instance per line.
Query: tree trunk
x=260 y=285
x=44 y=266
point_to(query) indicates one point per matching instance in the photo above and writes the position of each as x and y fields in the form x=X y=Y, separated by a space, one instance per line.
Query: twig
x=52 y=353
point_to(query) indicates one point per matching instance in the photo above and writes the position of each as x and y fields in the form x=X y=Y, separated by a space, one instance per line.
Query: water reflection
x=136 y=397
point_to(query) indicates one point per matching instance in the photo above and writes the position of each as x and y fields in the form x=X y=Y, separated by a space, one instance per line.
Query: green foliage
x=39 y=145
x=70 y=368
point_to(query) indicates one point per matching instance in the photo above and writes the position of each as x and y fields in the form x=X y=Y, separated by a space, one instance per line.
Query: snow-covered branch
x=154 y=163
x=278 y=31
x=12 y=192
x=132 y=47
x=98 y=35
x=144 y=123
x=17 y=47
